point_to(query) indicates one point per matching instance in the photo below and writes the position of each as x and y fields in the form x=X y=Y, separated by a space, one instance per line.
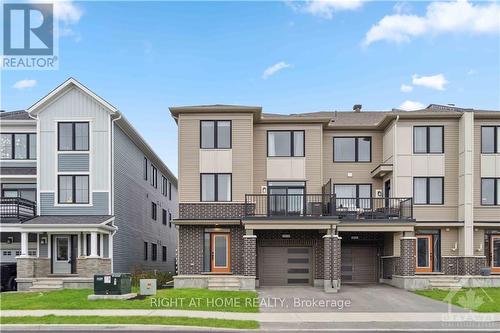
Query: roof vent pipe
x=357 y=107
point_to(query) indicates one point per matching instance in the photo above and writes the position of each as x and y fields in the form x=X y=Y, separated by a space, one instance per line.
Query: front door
x=424 y=253
x=62 y=255
x=495 y=253
x=220 y=261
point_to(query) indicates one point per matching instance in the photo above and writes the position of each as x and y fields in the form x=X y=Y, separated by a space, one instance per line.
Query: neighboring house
x=82 y=192
x=330 y=197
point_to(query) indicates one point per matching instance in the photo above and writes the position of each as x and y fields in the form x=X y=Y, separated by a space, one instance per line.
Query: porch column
x=93 y=245
x=331 y=264
x=407 y=259
x=24 y=244
x=250 y=255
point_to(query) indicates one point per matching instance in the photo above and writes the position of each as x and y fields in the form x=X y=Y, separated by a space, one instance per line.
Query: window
x=146 y=251
x=285 y=143
x=164 y=185
x=428 y=190
x=164 y=216
x=164 y=253
x=490 y=139
x=153 y=210
x=154 y=176
x=154 y=251
x=215 y=187
x=490 y=191
x=25 y=191
x=215 y=134
x=352 y=149
x=169 y=220
x=169 y=191
x=18 y=146
x=428 y=139
x=73 y=189
x=352 y=196
x=73 y=136
x=145 y=168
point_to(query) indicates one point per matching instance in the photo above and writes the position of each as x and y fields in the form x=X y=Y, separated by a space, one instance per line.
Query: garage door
x=359 y=264
x=281 y=266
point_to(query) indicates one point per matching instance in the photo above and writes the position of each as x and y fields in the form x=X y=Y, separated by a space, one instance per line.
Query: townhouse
x=327 y=198
x=81 y=193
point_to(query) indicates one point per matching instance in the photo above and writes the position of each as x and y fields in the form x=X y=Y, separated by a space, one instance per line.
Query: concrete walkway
x=290 y=317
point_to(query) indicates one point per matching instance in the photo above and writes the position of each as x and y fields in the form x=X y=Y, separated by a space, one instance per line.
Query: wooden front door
x=495 y=253
x=220 y=253
x=424 y=254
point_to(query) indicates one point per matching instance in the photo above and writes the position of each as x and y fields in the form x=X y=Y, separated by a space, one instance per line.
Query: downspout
x=111 y=189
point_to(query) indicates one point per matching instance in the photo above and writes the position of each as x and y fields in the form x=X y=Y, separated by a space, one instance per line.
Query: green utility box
x=112 y=284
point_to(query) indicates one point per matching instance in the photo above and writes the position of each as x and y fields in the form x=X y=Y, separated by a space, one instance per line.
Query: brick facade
x=250 y=255
x=332 y=262
x=199 y=211
x=457 y=265
x=407 y=260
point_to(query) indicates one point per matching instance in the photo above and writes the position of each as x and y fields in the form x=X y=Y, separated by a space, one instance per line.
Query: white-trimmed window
x=18 y=146
x=215 y=187
x=73 y=189
x=428 y=190
x=490 y=191
x=73 y=136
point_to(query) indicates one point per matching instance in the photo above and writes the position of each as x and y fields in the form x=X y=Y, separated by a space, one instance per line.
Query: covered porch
x=62 y=251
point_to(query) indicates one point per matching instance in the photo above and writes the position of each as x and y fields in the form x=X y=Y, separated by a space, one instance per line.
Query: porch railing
x=17 y=208
x=327 y=205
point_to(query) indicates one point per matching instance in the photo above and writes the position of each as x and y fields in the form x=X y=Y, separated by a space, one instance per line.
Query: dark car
x=8 y=276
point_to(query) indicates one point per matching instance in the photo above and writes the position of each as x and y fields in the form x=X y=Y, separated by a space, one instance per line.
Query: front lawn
x=132 y=320
x=180 y=299
x=477 y=299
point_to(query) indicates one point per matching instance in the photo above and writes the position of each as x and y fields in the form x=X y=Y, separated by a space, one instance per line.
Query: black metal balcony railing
x=17 y=208
x=327 y=205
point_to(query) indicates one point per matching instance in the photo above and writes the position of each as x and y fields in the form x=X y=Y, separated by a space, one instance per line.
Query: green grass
x=477 y=299
x=130 y=320
x=180 y=299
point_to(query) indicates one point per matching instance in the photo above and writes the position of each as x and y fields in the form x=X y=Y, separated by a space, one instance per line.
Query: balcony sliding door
x=286 y=198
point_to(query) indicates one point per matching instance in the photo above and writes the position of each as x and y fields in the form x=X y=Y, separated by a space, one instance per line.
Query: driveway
x=350 y=298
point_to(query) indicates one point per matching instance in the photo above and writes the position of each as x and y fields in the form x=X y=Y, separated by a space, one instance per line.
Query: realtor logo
x=29 y=37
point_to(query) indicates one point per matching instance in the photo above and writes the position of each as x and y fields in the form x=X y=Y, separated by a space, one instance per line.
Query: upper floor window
x=169 y=191
x=73 y=136
x=428 y=139
x=164 y=216
x=145 y=168
x=73 y=189
x=154 y=176
x=145 y=250
x=154 y=251
x=169 y=220
x=215 y=134
x=215 y=187
x=163 y=253
x=490 y=139
x=351 y=196
x=18 y=146
x=352 y=149
x=428 y=190
x=164 y=186
x=154 y=210
x=285 y=143
x=490 y=191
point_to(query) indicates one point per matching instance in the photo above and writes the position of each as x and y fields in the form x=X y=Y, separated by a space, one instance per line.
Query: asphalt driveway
x=350 y=298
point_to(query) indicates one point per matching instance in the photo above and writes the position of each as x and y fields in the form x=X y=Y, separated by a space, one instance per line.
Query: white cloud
x=274 y=69
x=437 y=81
x=65 y=10
x=325 y=8
x=23 y=84
x=406 y=88
x=411 y=105
x=440 y=17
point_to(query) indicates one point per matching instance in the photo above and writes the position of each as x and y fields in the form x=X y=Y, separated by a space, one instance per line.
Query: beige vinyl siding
x=189 y=152
x=478 y=242
x=313 y=154
x=449 y=210
x=448 y=241
x=482 y=213
x=361 y=172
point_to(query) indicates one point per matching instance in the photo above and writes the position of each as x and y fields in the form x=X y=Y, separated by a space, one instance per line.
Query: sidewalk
x=303 y=317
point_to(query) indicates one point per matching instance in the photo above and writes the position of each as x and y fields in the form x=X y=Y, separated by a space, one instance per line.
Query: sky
x=288 y=57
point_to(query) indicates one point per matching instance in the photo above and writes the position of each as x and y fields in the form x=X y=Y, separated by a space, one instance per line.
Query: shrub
x=161 y=277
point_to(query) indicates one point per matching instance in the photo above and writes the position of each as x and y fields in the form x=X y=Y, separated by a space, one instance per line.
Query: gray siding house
x=82 y=193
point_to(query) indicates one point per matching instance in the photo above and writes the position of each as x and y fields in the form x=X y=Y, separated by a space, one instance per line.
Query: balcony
x=16 y=209
x=327 y=205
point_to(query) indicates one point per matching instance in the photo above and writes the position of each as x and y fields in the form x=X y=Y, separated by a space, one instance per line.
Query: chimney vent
x=357 y=107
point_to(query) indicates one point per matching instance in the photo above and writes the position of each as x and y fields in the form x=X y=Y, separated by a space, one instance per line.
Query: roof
x=69 y=219
x=15 y=115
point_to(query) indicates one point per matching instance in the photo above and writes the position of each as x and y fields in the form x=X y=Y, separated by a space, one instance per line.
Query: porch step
x=446 y=283
x=223 y=283
x=46 y=284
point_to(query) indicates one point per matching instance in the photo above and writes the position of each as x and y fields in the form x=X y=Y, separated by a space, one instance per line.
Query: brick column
x=407 y=259
x=250 y=255
x=331 y=264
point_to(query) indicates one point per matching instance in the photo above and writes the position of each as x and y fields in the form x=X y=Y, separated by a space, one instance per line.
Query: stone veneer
x=407 y=260
x=461 y=265
x=87 y=267
x=199 y=211
x=31 y=267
